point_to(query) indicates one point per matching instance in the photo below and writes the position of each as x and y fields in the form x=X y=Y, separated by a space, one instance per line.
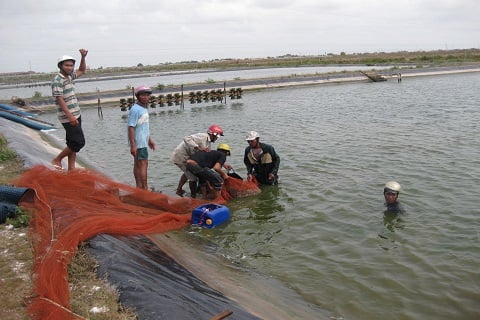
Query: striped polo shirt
x=63 y=86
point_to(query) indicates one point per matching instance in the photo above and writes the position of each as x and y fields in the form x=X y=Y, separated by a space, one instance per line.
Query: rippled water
x=322 y=231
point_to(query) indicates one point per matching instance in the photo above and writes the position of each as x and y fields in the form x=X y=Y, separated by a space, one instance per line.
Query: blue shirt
x=138 y=118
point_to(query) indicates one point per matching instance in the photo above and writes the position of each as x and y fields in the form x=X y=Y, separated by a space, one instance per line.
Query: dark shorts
x=206 y=174
x=142 y=154
x=74 y=136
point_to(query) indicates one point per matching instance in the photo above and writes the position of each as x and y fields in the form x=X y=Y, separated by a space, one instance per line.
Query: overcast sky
x=35 y=33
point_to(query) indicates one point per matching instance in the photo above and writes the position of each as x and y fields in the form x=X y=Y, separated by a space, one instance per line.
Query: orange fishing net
x=72 y=207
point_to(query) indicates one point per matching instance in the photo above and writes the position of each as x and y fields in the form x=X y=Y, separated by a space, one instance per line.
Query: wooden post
x=183 y=105
x=225 y=91
x=99 y=107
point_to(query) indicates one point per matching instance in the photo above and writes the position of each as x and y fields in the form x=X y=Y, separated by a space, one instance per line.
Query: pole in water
x=99 y=109
x=225 y=91
x=183 y=105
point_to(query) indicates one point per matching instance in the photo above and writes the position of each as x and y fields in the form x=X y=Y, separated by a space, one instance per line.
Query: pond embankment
x=112 y=97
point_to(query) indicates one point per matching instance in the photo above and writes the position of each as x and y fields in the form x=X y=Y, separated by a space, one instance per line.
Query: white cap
x=64 y=58
x=392 y=186
x=252 y=135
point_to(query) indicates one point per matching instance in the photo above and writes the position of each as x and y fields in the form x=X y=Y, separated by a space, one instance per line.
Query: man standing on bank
x=68 y=108
x=139 y=136
x=261 y=160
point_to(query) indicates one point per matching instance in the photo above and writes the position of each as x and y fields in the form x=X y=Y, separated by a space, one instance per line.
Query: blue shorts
x=142 y=154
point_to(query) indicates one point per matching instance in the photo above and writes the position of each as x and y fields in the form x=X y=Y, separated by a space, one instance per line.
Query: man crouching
x=207 y=167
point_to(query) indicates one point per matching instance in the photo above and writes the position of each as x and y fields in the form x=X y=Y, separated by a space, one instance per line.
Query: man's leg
x=181 y=182
x=75 y=141
x=210 y=192
x=57 y=161
x=214 y=182
x=203 y=189
x=72 y=158
x=193 y=188
x=140 y=169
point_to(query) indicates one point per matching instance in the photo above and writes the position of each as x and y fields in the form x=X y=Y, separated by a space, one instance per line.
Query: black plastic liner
x=9 y=199
x=154 y=285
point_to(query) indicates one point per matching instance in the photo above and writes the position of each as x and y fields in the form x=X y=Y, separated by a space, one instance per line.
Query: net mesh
x=72 y=207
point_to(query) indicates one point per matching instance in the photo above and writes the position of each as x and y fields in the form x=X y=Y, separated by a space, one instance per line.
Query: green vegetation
x=5 y=153
x=10 y=165
x=37 y=95
x=20 y=218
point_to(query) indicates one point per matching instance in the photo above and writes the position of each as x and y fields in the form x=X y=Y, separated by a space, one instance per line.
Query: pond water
x=322 y=231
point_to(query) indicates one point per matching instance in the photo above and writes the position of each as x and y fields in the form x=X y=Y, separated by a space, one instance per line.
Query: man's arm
x=151 y=144
x=218 y=168
x=275 y=158
x=195 y=141
x=246 y=161
x=83 y=63
x=63 y=105
x=131 y=139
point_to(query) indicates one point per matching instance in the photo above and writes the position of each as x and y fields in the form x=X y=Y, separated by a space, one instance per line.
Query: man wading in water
x=139 y=136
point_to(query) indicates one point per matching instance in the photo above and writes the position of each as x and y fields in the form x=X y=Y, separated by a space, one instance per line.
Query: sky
x=124 y=33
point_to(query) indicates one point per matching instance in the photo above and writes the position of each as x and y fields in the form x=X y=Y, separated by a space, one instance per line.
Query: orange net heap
x=72 y=207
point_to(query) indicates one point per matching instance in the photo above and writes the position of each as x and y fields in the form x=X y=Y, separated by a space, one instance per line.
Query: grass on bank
x=90 y=297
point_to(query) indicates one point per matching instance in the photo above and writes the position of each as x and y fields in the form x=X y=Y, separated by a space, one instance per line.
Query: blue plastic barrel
x=210 y=215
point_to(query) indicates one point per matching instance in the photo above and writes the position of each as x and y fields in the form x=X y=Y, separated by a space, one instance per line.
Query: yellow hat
x=225 y=147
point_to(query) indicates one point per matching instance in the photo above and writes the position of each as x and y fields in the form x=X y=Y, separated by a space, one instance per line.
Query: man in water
x=391 y=190
x=261 y=160
x=191 y=144
x=139 y=136
x=207 y=167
